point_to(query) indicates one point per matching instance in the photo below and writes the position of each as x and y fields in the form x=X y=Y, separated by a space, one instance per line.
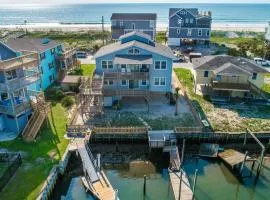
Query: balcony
x=127 y=75
x=125 y=92
x=70 y=52
x=7 y=108
x=230 y=86
x=27 y=61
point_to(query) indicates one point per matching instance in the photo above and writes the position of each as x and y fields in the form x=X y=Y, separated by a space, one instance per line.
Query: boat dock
x=178 y=178
x=233 y=157
x=95 y=179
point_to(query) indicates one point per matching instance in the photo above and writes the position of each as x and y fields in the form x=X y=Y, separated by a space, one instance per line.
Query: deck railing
x=120 y=130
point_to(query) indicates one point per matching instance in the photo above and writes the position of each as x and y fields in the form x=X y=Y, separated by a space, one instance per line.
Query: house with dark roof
x=188 y=25
x=228 y=76
x=135 y=66
x=54 y=59
x=122 y=23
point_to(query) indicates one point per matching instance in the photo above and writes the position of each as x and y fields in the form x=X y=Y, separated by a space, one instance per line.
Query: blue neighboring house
x=135 y=66
x=122 y=23
x=189 y=26
x=48 y=51
x=267 y=33
x=17 y=72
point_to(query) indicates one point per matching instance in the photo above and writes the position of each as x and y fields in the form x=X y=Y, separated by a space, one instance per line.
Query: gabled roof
x=230 y=69
x=193 y=11
x=133 y=59
x=212 y=63
x=138 y=33
x=32 y=44
x=134 y=16
x=6 y=52
x=156 y=48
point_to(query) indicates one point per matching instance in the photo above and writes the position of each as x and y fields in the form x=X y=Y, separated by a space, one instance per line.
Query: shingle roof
x=133 y=59
x=32 y=44
x=134 y=16
x=212 y=63
x=157 y=48
x=139 y=33
x=6 y=52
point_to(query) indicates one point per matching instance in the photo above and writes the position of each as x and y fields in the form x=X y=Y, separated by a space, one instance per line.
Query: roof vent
x=45 y=40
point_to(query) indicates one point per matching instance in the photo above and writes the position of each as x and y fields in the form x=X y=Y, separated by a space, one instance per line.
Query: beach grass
x=226 y=118
x=38 y=157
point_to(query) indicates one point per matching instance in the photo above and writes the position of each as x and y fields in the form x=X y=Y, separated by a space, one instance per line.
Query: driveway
x=88 y=60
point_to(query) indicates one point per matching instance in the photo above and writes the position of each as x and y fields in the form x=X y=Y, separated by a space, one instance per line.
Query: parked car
x=81 y=54
x=261 y=61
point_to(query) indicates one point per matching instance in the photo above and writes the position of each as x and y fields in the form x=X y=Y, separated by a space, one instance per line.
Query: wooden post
x=103 y=36
x=243 y=163
x=183 y=152
x=261 y=162
x=144 y=185
x=116 y=195
x=98 y=161
x=245 y=140
x=180 y=184
x=194 y=184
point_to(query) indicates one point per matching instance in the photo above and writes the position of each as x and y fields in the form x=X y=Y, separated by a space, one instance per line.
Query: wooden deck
x=232 y=157
x=96 y=181
x=186 y=192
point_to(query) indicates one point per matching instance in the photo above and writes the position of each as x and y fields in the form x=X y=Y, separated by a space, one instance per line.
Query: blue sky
x=128 y=1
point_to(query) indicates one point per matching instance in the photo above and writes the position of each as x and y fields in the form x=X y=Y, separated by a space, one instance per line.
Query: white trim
x=160 y=61
x=107 y=64
x=134 y=19
x=159 y=81
x=173 y=27
x=181 y=10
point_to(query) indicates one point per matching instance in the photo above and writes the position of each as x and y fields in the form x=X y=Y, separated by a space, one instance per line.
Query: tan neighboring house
x=227 y=76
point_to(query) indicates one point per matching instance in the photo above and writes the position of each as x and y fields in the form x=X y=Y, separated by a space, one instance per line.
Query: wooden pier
x=232 y=157
x=95 y=179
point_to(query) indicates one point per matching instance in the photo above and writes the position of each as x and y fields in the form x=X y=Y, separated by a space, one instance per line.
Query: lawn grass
x=38 y=157
x=85 y=70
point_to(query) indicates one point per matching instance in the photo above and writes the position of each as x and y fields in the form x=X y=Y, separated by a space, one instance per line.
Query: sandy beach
x=160 y=27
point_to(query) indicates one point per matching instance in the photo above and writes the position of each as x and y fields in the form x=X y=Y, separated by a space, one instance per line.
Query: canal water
x=215 y=180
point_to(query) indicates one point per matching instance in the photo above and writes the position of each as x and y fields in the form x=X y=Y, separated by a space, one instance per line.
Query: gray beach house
x=122 y=23
x=189 y=26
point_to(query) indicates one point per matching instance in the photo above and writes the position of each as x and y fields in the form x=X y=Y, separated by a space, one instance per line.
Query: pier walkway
x=95 y=179
x=167 y=141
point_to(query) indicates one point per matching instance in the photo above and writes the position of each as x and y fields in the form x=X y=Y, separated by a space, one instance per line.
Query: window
x=191 y=20
x=208 y=33
x=108 y=82
x=124 y=82
x=189 y=32
x=161 y=81
x=143 y=82
x=161 y=65
x=53 y=51
x=151 y=23
x=133 y=26
x=42 y=56
x=205 y=73
x=254 y=76
x=4 y=96
x=51 y=65
x=121 y=23
x=200 y=32
x=107 y=64
x=218 y=78
x=134 y=51
x=12 y=74
x=187 y=20
x=179 y=21
x=183 y=12
x=178 y=31
x=113 y=22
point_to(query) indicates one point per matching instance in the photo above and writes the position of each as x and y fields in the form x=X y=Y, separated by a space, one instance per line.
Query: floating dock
x=232 y=157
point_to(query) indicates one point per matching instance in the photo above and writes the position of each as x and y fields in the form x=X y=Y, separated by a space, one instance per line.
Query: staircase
x=41 y=109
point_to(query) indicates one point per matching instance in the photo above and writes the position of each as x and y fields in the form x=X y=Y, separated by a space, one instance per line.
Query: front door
x=131 y=84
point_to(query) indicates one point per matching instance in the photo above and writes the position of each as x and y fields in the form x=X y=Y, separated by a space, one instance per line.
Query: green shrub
x=67 y=101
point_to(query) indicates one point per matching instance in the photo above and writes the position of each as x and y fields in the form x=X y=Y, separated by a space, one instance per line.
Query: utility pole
x=103 y=36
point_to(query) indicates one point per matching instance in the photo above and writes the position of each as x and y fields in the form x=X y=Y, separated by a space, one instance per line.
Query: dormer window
x=182 y=12
x=134 y=51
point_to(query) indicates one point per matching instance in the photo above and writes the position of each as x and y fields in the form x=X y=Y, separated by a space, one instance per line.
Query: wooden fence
x=197 y=129
x=120 y=130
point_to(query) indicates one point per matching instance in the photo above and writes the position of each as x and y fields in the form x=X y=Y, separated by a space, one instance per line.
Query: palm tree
x=176 y=95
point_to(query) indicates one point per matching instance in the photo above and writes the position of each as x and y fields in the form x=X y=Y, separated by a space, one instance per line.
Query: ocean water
x=92 y=13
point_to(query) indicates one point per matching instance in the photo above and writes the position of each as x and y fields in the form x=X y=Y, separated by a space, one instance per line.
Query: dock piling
x=180 y=184
x=183 y=152
x=194 y=184
x=243 y=163
x=144 y=185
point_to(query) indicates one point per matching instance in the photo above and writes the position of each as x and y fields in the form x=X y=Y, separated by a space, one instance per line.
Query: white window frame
x=132 y=51
x=187 y=20
x=159 y=81
x=121 y=23
x=182 y=12
x=107 y=82
x=189 y=32
x=200 y=32
x=107 y=64
x=207 y=32
x=141 y=81
x=191 y=20
x=160 y=64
